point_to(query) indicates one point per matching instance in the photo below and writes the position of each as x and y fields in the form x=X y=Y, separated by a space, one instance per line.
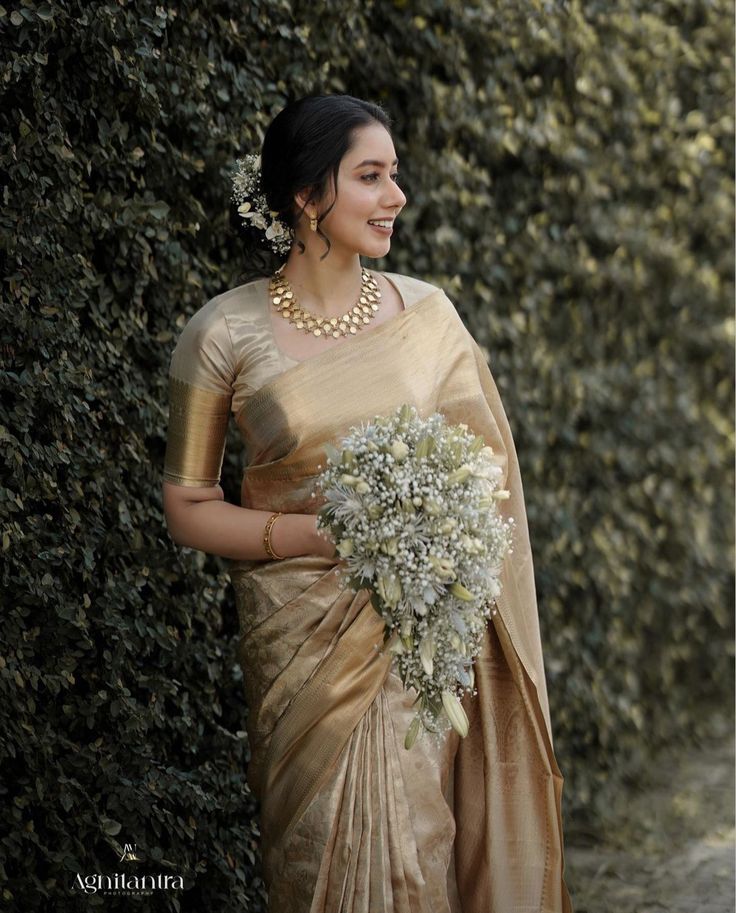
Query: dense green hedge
x=568 y=169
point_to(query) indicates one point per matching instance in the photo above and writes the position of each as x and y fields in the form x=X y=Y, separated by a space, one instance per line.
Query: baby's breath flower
x=412 y=504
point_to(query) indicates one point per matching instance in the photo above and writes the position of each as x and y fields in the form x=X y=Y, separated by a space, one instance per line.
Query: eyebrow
x=375 y=162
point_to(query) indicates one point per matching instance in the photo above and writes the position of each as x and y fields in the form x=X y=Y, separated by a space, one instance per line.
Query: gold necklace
x=351 y=321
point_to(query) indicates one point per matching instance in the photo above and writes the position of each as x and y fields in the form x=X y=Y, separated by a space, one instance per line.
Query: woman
x=351 y=820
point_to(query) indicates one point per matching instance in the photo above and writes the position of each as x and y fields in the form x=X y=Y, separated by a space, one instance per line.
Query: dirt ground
x=672 y=851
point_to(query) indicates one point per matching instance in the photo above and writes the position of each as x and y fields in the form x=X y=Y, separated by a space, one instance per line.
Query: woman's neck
x=328 y=287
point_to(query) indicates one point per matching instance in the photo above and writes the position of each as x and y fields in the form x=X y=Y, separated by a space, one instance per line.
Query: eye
x=371 y=178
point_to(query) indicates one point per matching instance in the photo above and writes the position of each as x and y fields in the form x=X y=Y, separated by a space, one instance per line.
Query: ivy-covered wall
x=569 y=174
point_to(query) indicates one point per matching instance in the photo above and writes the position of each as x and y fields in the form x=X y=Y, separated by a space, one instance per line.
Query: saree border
x=319 y=721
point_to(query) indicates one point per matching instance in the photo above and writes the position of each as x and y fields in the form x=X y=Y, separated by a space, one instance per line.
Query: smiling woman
x=351 y=820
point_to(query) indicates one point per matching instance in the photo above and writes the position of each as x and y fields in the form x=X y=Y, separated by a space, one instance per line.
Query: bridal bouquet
x=411 y=504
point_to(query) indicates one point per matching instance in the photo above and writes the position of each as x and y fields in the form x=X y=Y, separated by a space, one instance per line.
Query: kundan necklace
x=351 y=321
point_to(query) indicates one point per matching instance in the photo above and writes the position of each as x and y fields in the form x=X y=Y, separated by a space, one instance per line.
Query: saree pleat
x=352 y=822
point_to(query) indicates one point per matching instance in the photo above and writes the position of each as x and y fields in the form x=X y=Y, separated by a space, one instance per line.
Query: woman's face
x=367 y=191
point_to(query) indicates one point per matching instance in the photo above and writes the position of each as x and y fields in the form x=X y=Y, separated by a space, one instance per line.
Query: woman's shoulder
x=414 y=289
x=216 y=315
x=242 y=300
x=211 y=325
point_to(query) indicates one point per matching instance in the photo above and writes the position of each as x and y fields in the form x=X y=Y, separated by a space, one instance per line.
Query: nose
x=396 y=197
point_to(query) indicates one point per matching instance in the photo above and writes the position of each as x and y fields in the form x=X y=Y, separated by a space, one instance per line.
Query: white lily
x=455 y=713
x=427 y=649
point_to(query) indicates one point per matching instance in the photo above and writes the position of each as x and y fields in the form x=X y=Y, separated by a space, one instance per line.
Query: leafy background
x=569 y=173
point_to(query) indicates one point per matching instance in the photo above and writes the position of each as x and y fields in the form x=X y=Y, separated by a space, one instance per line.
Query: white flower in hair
x=252 y=205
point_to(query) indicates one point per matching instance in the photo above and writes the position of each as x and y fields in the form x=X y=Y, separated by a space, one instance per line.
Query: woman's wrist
x=297 y=534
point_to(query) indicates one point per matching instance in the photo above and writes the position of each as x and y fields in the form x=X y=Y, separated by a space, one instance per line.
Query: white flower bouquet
x=411 y=505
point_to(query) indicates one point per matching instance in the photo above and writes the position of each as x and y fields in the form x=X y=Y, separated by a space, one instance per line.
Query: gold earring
x=313 y=223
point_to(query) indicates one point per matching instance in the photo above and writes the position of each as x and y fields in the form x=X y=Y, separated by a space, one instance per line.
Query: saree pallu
x=352 y=822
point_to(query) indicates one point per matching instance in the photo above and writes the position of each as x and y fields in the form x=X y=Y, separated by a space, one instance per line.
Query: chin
x=376 y=251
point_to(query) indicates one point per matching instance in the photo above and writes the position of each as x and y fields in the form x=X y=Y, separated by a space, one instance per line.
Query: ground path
x=672 y=850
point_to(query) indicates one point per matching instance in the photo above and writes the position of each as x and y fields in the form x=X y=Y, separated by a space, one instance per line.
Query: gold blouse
x=225 y=353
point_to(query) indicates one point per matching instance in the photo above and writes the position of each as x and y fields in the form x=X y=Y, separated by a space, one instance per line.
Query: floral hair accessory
x=252 y=205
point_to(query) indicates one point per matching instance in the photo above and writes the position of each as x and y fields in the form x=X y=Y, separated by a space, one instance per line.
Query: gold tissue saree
x=352 y=822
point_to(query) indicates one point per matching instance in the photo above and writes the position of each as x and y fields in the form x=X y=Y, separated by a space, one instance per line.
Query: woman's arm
x=201 y=518
x=202 y=375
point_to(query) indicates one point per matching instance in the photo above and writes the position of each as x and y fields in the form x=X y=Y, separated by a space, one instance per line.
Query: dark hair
x=305 y=143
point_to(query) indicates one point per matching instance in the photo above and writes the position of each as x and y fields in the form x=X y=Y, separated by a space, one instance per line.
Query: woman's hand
x=324 y=544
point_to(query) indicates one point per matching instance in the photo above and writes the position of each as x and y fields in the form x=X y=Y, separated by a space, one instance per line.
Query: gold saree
x=352 y=822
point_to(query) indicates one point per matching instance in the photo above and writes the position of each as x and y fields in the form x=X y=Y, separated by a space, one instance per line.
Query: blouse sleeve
x=201 y=377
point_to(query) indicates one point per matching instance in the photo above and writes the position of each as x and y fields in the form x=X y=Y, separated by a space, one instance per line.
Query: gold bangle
x=267 y=537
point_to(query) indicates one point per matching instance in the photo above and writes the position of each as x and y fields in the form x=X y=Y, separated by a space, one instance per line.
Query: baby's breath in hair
x=252 y=205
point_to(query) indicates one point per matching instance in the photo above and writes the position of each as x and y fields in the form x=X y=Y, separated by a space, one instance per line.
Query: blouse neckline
x=334 y=352
x=288 y=360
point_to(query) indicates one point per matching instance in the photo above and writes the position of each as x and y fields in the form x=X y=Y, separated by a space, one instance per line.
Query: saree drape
x=352 y=822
